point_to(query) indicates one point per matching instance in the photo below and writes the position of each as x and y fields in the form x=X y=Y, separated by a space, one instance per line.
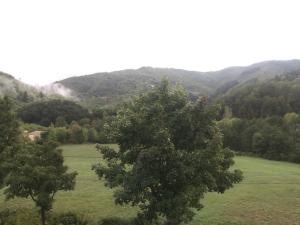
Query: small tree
x=38 y=172
x=170 y=154
x=78 y=134
x=9 y=136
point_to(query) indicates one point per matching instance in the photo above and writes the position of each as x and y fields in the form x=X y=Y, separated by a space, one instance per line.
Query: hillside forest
x=177 y=135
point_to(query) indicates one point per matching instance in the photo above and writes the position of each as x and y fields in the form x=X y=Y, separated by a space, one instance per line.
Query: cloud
x=56 y=89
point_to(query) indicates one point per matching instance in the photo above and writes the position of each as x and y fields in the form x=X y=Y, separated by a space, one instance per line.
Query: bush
x=19 y=217
x=5 y=217
x=69 y=219
x=31 y=217
x=115 y=221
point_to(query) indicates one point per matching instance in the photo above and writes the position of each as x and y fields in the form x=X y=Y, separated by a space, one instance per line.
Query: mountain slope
x=101 y=89
x=113 y=87
x=121 y=84
x=262 y=70
x=16 y=89
x=263 y=98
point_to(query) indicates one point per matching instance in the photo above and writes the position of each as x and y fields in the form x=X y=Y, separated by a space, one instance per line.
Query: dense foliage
x=272 y=137
x=262 y=118
x=47 y=112
x=170 y=155
x=37 y=172
x=274 y=97
x=19 y=92
x=9 y=136
x=92 y=130
x=24 y=216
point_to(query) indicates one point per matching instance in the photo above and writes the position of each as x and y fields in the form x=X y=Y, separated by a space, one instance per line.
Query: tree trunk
x=43 y=216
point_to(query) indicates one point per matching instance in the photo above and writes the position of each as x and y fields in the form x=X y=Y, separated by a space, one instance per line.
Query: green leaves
x=170 y=154
x=9 y=136
x=38 y=173
x=47 y=112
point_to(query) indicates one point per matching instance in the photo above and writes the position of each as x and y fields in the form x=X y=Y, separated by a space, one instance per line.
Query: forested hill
x=263 y=117
x=108 y=88
x=16 y=89
x=259 y=99
x=117 y=86
x=102 y=89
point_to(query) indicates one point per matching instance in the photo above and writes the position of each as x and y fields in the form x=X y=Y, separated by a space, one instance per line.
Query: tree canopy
x=273 y=137
x=47 y=112
x=9 y=135
x=274 y=97
x=38 y=173
x=170 y=154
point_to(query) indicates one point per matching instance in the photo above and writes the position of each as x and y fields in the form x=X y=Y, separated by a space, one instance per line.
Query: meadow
x=268 y=195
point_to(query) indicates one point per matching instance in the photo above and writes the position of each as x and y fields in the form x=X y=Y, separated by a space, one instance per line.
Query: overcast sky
x=44 y=41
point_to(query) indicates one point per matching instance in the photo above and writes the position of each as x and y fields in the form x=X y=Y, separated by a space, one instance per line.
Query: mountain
x=114 y=87
x=108 y=88
x=16 y=89
x=23 y=93
x=262 y=70
x=103 y=89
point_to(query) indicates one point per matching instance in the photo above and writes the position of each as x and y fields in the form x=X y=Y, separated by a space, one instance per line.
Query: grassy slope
x=270 y=193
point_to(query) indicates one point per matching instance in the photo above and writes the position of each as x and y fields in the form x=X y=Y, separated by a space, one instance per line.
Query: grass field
x=269 y=194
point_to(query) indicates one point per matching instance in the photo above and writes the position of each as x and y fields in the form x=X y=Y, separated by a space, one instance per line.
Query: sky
x=45 y=41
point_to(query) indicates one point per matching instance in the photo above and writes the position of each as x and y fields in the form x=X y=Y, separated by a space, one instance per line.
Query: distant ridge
x=109 y=88
x=16 y=89
x=113 y=87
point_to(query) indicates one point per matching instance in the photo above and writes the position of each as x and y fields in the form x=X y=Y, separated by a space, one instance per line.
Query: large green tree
x=38 y=173
x=170 y=154
x=9 y=136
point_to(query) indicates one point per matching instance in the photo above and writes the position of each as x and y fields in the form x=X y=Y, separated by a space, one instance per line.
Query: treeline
x=273 y=137
x=262 y=118
x=65 y=121
x=77 y=132
x=46 y=112
x=256 y=99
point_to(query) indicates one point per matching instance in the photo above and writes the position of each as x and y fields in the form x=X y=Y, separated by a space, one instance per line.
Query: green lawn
x=269 y=194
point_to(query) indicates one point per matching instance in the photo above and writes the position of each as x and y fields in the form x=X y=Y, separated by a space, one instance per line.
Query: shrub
x=115 y=221
x=70 y=218
x=5 y=217
x=19 y=217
